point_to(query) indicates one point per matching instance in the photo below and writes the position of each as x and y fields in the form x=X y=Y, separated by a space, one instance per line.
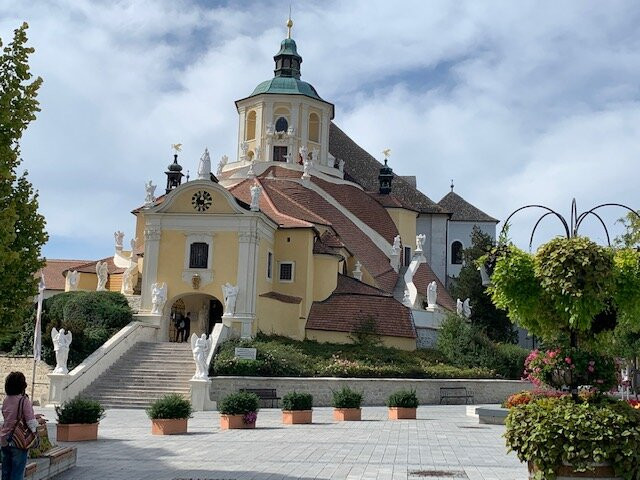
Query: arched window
x=281 y=124
x=456 y=253
x=251 y=125
x=314 y=127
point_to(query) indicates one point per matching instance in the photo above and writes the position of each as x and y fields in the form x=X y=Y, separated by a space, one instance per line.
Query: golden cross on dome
x=289 y=24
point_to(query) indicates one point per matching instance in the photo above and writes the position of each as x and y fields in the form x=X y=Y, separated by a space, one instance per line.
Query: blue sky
x=518 y=102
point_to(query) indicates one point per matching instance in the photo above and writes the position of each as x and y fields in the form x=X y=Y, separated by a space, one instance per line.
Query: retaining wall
x=375 y=391
x=11 y=363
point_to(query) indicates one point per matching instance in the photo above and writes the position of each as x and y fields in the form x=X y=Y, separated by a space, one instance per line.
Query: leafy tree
x=22 y=231
x=468 y=284
x=631 y=237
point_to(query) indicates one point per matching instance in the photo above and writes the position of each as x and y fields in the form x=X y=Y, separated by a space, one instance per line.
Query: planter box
x=347 y=414
x=291 y=417
x=602 y=471
x=76 y=432
x=232 y=422
x=402 y=413
x=168 y=426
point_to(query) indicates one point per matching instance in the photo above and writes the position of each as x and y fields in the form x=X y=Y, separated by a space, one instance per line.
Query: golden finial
x=176 y=147
x=387 y=153
x=289 y=24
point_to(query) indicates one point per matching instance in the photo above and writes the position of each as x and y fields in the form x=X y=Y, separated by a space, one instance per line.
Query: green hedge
x=170 y=407
x=297 y=401
x=403 y=399
x=346 y=398
x=279 y=356
x=239 y=403
x=79 y=410
x=92 y=318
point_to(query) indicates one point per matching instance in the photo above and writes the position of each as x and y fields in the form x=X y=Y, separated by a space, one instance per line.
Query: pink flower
x=590 y=368
x=552 y=354
x=568 y=360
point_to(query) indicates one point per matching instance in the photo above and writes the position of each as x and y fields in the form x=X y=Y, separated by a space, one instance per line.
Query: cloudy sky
x=518 y=102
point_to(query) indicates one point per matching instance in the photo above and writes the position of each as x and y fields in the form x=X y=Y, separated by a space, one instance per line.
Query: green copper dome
x=286 y=86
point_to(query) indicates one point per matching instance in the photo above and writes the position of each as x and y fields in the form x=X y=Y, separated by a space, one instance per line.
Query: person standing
x=187 y=327
x=14 y=459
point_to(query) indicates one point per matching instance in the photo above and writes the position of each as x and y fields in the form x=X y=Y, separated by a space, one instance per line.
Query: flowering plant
x=570 y=367
x=249 y=418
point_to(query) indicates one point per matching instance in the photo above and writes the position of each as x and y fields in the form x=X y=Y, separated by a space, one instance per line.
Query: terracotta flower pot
x=168 y=426
x=402 y=413
x=602 y=471
x=76 y=432
x=231 y=422
x=291 y=417
x=347 y=414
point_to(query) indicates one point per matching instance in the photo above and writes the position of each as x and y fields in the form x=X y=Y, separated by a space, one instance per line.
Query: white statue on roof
x=61 y=343
x=291 y=131
x=129 y=278
x=200 y=347
x=204 y=166
x=303 y=153
x=341 y=165
x=150 y=190
x=244 y=148
x=118 y=237
x=289 y=157
x=256 y=190
x=420 y=242
x=315 y=154
x=466 y=308
x=432 y=295
x=223 y=161
x=73 y=278
x=406 y=299
x=395 y=249
x=102 y=270
x=306 y=174
x=230 y=293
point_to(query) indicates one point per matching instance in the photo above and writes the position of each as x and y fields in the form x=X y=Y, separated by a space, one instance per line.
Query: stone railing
x=375 y=390
x=64 y=387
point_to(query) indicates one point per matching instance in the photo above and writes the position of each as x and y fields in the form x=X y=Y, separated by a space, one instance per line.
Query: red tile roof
x=90 y=267
x=359 y=203
x=352 y=302
x=53 y=271
x=423 y=277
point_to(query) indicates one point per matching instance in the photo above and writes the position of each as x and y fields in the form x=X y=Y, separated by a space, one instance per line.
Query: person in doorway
x=187 y=327
x=181 y=325
x=14 y=459
x=176 y=324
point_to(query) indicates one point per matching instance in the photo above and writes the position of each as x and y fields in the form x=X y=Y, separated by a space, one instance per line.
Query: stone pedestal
x=200 y=400
x=245 y=322
x=57 y=384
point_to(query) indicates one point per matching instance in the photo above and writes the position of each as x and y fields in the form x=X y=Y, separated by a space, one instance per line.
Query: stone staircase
x=146 y=372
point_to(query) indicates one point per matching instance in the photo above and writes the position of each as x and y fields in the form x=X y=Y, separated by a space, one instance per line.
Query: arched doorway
x=192 y=313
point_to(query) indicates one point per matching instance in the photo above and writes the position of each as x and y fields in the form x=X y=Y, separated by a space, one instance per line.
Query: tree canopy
x=631 y=237
x=22 y=228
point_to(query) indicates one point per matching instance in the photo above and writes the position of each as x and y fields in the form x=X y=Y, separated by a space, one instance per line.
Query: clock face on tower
x=201 y=200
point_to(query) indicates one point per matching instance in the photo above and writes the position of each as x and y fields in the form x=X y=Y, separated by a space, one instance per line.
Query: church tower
x=284 y=119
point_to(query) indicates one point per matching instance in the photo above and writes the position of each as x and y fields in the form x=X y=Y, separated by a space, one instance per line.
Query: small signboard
x=245 y=353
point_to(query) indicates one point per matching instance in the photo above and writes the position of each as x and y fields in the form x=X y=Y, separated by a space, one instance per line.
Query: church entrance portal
x=196 y=313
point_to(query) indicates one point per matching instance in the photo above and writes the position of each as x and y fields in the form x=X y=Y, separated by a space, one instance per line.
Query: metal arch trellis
x=572 y=227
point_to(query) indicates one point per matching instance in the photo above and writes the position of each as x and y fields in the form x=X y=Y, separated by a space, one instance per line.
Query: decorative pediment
x=199 y=197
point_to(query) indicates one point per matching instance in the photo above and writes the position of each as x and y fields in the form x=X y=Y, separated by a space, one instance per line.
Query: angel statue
x=118 y=237
x=395 y=248
x=230 y=296
x=223 y=161
x=200 y=347
x=102 y=270
x=432 y=294
x=73 y=277
x=150 y=190
x=420 y=241
x=61 y=344
x=459 y=308
x=129 y=278
x=466 y=308
x=255 y=190
x=158 y=297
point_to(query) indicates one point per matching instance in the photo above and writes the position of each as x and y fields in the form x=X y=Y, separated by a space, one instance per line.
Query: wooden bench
x=264 y=394
x=455 y=392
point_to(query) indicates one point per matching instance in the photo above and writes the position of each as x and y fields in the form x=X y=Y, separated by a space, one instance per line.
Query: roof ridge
x=293 y=200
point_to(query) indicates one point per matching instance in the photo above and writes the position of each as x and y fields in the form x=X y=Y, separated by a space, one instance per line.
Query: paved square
x=443 y=444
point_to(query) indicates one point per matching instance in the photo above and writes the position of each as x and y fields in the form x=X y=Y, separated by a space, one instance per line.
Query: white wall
x=435 y=248
x=461 y=231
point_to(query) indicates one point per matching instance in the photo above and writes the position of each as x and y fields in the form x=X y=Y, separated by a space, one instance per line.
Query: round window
x=282 y=125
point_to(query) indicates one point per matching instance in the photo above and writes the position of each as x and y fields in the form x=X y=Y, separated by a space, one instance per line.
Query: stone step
x=139 y=388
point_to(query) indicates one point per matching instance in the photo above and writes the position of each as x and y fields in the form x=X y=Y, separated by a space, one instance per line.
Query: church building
x=301 y=233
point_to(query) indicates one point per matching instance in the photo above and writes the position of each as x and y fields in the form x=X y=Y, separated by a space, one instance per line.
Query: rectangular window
x=407 y=256
x=279 y=154
x=269 y=265
x=286 y=271
x=199 y=255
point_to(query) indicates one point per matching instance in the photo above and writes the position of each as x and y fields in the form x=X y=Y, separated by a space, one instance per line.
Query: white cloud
x=517 y=101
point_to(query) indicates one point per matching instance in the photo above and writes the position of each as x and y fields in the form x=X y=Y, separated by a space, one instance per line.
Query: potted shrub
x=402 y=405
x=296 y=408
x=169 y=415
x=78 y=420
x=346 y=405
x=239 y=410
x=596 y=438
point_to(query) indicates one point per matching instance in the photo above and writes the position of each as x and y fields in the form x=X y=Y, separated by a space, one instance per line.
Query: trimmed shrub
x=79 y=410
x=239 y=403
x=403 y=399
x=169 y=407
x=346 y=398
x=297 y=401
